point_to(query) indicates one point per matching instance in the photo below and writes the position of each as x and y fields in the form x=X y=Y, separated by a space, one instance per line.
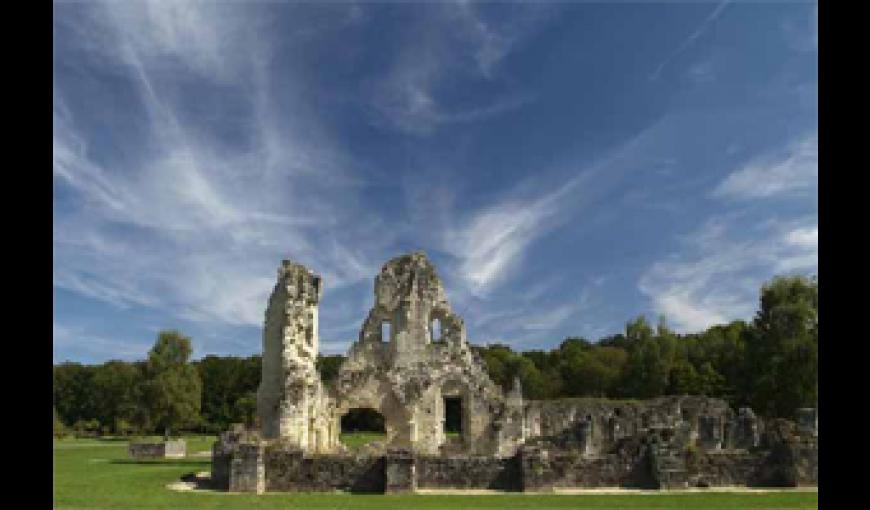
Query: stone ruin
x=407 y=368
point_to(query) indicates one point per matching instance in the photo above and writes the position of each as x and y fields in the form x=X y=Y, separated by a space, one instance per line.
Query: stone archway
x=378 y=395
x=362 y=429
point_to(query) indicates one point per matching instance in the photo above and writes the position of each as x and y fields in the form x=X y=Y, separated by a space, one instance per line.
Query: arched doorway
x=361 y=428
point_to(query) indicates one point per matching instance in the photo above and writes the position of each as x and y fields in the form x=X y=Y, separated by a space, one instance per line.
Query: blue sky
x=566 y=166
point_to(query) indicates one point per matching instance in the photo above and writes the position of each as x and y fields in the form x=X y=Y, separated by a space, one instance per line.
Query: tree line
x=769 y=364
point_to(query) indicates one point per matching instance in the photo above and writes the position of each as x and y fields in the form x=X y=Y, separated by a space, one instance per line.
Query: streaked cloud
x=211 y=221
x=450 y=41
x=716 y=276
x=692 y=38
x=195 y=145
x=788 y=171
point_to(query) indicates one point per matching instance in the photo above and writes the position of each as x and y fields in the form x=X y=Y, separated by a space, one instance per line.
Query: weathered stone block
x=247 y=471
x=164 y=449
x=401 y=475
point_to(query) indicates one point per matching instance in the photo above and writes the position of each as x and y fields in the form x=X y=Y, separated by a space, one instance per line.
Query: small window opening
x=435 y=329
x=386 y=331
x=453 y=416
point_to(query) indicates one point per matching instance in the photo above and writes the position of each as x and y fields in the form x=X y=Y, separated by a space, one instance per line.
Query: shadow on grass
x=199 y=483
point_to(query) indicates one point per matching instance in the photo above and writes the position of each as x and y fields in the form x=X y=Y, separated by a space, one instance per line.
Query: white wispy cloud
x=189 y=224
x=494 y=240
x=788 y=171
x=451 y=40
x=490 y=241
x=716 y=276
x=90 y=347
x=702 y=72
x=690 y=40
x=523 y=323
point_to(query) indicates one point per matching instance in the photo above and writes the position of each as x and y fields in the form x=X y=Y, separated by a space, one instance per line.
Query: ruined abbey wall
x=291 y=402
x=412 y=354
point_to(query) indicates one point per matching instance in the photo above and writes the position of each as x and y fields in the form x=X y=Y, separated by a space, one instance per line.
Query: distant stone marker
x=175 y=449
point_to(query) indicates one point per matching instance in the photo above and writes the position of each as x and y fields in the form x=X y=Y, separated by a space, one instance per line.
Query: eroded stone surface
x=405 y=370
x=405 y=377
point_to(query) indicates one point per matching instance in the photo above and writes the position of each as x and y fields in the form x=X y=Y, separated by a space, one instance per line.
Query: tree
x=545 y=381
x=58 y=428
x=601 y=370
x=174 y=387
x=724 y=348
x=683 y=379
x=328 y=367
x=229 y=387
x=72 y=392
x=246 y=408
x=782 y=348
x=650 y=359
x=496 y=357
x=171 y=349
x=115 y=387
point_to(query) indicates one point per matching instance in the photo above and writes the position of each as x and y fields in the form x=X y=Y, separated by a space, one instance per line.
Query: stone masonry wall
x=291 y=401
x=291 y=470
x=544 y=469
x=407 y=375
x=504 y=443
x=467 y=472
x=635 y=462
x=247 y=470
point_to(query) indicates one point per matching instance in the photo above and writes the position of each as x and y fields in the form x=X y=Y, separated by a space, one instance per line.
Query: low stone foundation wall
x=247 y=469
x=161 y=450
x=468 y=473
x=806 y=460
x=258 y=468
x=290 y=470
x=723 y=468
x=654 y=456
x=543 y=470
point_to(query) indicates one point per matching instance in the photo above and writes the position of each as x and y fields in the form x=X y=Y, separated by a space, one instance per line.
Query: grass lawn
x=355 y=440
x=97 y=474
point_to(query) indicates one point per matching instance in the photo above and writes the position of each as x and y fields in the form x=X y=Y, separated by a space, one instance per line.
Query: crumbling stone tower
x=412 y=309
x=290 y=398
x=413 y=360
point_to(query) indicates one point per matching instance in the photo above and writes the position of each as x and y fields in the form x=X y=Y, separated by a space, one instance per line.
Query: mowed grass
x=97 y=474
x=356 y=440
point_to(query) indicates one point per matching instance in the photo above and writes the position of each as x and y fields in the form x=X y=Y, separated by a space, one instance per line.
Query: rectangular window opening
x=435 y=330
x=453 y=415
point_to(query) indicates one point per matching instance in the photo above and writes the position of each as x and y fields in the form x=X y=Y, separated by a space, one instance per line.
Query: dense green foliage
x=229 y=390
x=770 y=364
x=172 y=388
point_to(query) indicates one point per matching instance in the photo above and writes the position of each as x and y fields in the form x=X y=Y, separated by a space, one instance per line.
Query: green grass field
x=97 y=474
x=356 y=440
